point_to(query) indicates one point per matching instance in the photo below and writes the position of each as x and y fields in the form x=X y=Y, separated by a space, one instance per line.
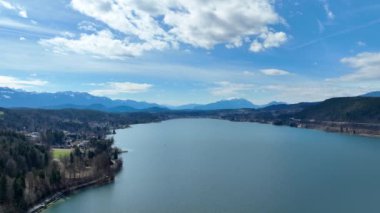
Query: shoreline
x=39 y=207
x=44 y=203
x=50 y=200
x=334 y=127
x=325 y=126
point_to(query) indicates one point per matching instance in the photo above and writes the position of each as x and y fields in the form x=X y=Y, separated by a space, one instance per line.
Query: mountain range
x=16 y=98
x=13 y=98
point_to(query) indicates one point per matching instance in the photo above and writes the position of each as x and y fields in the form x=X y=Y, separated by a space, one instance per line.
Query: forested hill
x=28 y=169
x=28 y=172
x=348 y=109
x=17 y=158
x=72 y=120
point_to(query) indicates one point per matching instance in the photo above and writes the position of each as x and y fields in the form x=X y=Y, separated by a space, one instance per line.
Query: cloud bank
x=118 y=88
x=16 y=83
x=143 y=25
x=274 y=72
x=366 y=67
x=230 y=89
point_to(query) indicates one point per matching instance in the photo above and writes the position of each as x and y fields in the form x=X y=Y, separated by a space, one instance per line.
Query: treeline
x=28 y=173
x=347 y=109
x=352 y=109
x=84 y=122
x=21 y=161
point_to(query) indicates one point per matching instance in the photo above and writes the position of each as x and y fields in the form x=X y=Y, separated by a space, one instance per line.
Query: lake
x=205 y=165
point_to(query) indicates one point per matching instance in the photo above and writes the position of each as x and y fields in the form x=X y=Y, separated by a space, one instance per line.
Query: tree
x=90 y=154
x=115 y=154
x=55 y=176
x=11 y=168
x=18 y=190
x=71 y=158
x=77 y=151
x=3 y=189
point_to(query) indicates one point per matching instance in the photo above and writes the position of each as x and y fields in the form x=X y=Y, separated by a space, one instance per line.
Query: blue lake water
x=205 y=165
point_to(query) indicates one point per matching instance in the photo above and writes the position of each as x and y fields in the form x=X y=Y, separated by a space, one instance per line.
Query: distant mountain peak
x=236 y=103
x=372 y=94
x=68 y=99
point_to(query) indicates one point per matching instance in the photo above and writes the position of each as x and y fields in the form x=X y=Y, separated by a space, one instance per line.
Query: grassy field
x=60 y=153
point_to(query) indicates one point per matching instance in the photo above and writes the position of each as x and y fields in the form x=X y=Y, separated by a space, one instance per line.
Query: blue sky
x=176 y=51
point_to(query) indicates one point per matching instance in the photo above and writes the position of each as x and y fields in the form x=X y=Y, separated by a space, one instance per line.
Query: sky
x=180 y=51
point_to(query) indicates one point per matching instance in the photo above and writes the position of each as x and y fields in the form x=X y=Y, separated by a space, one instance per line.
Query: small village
x=69 y=141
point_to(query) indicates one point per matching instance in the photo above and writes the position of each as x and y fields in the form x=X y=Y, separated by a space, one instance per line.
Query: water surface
x=204 y=165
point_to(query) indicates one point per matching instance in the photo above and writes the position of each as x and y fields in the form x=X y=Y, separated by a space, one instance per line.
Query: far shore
x=322 y=126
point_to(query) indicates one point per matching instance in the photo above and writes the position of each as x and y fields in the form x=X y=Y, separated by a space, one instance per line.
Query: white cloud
x=274 y=72
x=117 y=88
x=22 y=38
x=229 y=89
x=198 y=23
x=124 y=16
x=361 y=44
x=7 y=5
x=309 y=91
x=248 y=73
x=256 y=47
x=20 y=10
x=67 y=34
x=268 y=40
x=205 y=24
x=21 y=26
x=366 y=66
x=101 y=44
x=23 y=13
x=330 y=15
x=87 y=26
x=12 y=82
